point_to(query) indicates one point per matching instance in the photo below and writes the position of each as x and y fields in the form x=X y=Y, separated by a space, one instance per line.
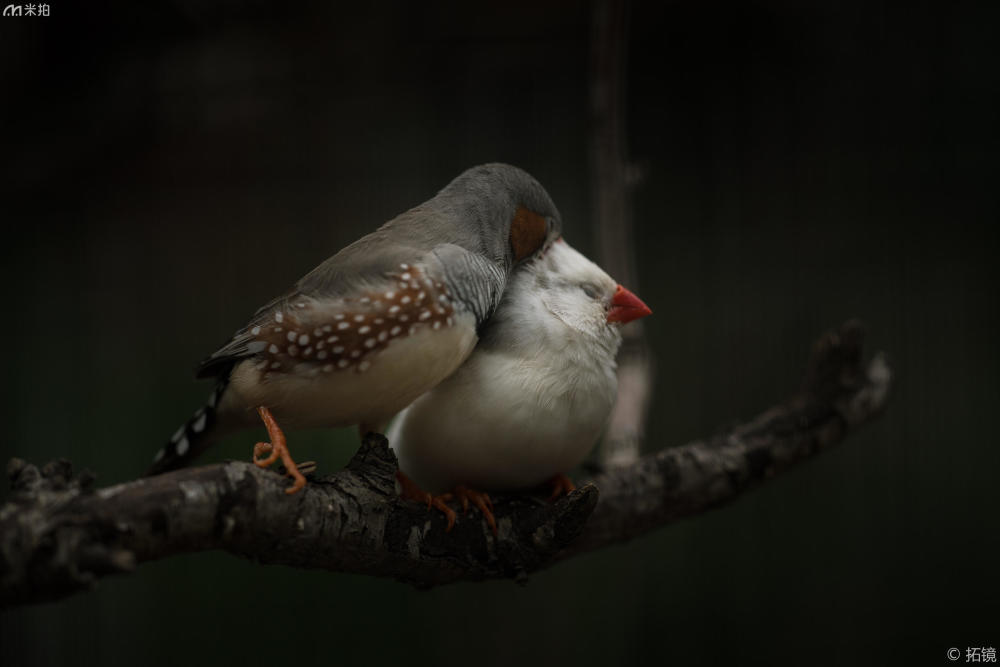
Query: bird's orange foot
x=412 y=491
x=277 y=448
x=561 y=486
x=481 y=500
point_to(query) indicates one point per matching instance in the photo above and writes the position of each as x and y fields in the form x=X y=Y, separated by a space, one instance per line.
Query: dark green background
x=168 y=166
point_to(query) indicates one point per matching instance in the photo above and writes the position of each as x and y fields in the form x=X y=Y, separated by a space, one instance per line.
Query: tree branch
x=57 y=536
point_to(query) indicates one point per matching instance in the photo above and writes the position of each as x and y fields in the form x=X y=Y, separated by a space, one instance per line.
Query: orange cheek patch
x=527 y=233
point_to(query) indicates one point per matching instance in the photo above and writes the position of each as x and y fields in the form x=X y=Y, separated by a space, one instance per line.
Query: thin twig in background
x=613 y=178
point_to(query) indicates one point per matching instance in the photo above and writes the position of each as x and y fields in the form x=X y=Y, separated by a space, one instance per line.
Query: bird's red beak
x=626 y=307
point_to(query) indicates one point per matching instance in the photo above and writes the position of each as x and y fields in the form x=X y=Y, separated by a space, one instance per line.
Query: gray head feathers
x=474 y=212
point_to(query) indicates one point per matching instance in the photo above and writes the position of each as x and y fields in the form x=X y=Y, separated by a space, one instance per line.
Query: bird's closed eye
x=590 y=290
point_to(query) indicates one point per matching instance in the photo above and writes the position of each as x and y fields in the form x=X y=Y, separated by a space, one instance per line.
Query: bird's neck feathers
x=557 y=305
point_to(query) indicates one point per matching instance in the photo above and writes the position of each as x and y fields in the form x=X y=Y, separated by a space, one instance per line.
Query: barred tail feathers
x=196 y=435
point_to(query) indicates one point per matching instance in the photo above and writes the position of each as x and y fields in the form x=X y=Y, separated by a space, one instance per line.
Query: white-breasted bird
x=379 y=323
x=533 y=398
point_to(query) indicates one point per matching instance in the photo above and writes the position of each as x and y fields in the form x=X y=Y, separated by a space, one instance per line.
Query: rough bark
x=58 y=536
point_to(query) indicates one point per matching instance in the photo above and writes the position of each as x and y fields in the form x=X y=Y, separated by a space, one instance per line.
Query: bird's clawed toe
x=410 y=490
x=440 y=503
x=264 y=454
x=463 y=494
x=276 y=449
x=481 y=500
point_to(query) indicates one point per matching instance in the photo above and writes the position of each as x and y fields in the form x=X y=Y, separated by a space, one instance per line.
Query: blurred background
x=168 y=166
